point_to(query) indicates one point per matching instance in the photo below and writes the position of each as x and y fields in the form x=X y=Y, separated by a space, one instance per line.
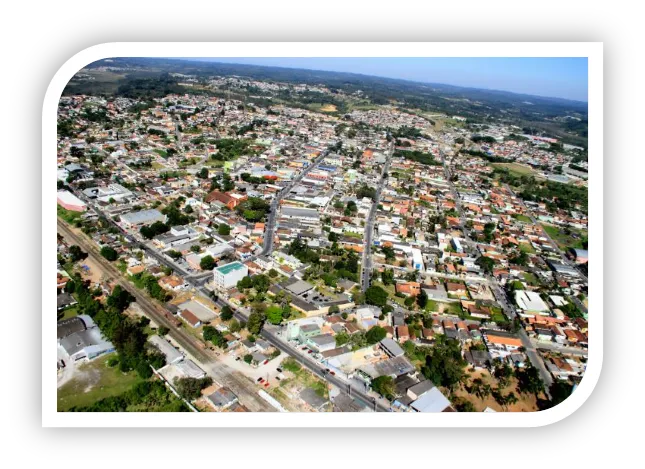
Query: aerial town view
x=245 y=238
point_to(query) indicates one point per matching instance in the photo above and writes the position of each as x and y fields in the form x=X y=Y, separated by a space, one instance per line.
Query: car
x=265 y=362
x=277 y=378
x=260 y=379
x=266 y=385
x=310 y=352
x=237 y=359
x=333 y=373
x=279 y=370
x=304 y=348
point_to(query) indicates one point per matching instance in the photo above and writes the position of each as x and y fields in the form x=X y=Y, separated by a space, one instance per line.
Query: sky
x=558 y=77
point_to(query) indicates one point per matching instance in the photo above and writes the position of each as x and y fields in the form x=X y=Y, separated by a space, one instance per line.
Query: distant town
x=229 y=243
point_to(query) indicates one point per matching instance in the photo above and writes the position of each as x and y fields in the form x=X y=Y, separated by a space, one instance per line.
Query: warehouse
x=144 y=217
x=69 y=201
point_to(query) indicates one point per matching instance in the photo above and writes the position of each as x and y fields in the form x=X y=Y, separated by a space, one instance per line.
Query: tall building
x=227 y=276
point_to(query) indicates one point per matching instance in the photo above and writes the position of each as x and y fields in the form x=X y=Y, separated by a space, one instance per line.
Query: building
x=82 y=340
x=144 y=217
x=69 y=201
x=227 y=276
x=222 y=399
x=432 y=401
x=171 y=353
x=531 y=303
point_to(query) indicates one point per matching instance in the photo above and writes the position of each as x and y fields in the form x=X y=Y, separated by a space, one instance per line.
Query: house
x=190 y=318
x=69 y=201
x=143 y=217
x=172 y=283
x=458 y=290
x=403 y=333
x=408 y=288
x=227 y=275
x=222 y=399
x=530 y=303
x=230 y=200
x=478 y=358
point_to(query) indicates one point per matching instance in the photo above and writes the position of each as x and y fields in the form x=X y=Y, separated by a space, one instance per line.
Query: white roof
x=432 y=401
x=68 y=198
x=530 y=301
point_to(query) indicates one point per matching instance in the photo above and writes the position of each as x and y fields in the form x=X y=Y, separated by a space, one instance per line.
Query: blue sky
x=560 y=77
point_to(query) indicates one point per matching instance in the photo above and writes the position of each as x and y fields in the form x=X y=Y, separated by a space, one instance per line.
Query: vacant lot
x=572 y=239
x=526 y=402
x=94 y=381
x=328 y=108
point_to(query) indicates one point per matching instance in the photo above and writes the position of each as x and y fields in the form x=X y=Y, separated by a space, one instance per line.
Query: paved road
x=552 y=347
x=240 y=385
x=366 y=265
x=269 y=236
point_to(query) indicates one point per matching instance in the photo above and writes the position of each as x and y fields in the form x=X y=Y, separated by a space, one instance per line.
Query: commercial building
x=144 y=217
x=69 y=201
x=227 y=276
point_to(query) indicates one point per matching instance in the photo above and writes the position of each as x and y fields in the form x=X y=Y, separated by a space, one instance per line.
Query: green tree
x=207 y=263
x=223 y=229
x=76 y=253
x=486 y=263
x=234 y=326
x=248 y=358
x=163 y=330
x=375 y=295
x=226 y=313
x=191 y=388
x=375 y=335
x=529 y=381
x=255 y=323
x=109 y=253
x=384 y=385
x=274 y=314
x=422 y=299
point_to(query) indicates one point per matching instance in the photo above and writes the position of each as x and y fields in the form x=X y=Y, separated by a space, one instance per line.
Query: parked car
x=259 y=380
x=279 y=370
x=265 y=362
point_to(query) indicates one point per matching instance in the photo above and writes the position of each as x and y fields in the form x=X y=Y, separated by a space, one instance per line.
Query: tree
x=463 y=405
x=486 y=263
x=248 y=358
x=409 y=301
x=273 y=273
x=387 y=276
x=207 y=263
x=375 y=295
x=255 y=323
x=244 y=283
x=76 y=253
x=191 y=388
x=223 y=229
x=375 y=335
x=274 y=314
x=163 y=330
x=422 y=299
x=234 y=326
x=261 y=283
x=109 y=253
x=226 y=313
x=384 y=385
x=529 y=381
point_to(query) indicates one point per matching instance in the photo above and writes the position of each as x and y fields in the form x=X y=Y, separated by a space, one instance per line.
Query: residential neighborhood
x=245 y=252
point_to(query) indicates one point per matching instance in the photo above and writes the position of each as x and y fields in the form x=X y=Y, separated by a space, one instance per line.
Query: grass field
x=516 y=169
x=531 y=279
x=522 y=218
x=68 y=215
x=68 y=313
x=527 y=248
x=94 y=381
x=563 y=239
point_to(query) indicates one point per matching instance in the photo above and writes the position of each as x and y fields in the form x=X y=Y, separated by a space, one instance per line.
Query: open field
x=522 y=218
x=526 y=402
x=564 y=240
x=516 y=169
x=94 y=381
x=328 y=108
